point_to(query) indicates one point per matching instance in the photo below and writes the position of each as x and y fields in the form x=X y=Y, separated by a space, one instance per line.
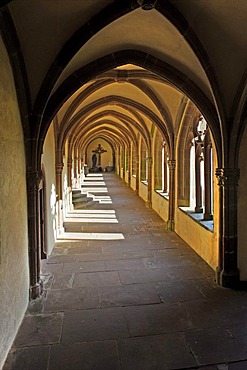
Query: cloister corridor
x=120 y=292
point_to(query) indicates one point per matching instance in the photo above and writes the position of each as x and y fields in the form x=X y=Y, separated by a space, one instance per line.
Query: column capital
x=59 y=168
x=172 y=164
x=227 y=176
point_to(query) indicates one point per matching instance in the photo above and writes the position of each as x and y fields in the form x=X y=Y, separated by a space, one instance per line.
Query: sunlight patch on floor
x=93 y=211
x=93 y=183
x=72 y=220
x=90 y=236
x=71 y=216
x=94 y=190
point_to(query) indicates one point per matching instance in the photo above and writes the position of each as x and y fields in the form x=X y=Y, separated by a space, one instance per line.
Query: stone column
x=59 y=191
x=76 y=171
x=165 y=170
x=123 y=162
x=59 y=171
x=79 y=166
x=114 y=160
x=172 y=168
x=149 y=201
x=130 y=169
x=137 y=174
x=119 y=162
x=198 y=208
x=227 y=273
x=69 y=165
x=36 y=286
x=208 y=192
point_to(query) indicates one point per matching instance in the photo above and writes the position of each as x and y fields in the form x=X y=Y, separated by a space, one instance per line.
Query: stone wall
x=48 y=162
x=14 y=271
x=160 y=205
x=203 y=241
x=242 y=206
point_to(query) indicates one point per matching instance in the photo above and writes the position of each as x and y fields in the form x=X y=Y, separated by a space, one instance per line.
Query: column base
x=207 y=217
x=199 y=210
x=36 y=290
x=148 y=204
x=170 y=225
x=71 y=207
x=60 y=231
x=226 y=279
x=136 y=192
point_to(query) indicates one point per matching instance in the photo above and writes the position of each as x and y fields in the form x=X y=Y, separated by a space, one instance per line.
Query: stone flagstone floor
x=121 y=293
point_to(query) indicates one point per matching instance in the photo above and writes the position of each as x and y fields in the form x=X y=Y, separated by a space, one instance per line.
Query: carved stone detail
x=147 y=4
x=59 y=168
x=34 y=178
x=172 y=164
x=227 y=176
x=122 y=76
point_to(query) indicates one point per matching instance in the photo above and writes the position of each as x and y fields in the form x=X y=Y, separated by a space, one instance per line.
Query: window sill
x=162 y=194
x=144 y=182
x=198 y=217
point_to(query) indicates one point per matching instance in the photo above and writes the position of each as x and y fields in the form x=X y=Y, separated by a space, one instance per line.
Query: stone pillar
x=79 y=166
x=130 y=169
x=165 y=170
x=59 y=190
x=69 y=165
x=198 y=208
x=119 y=163
x=172 y=167
x=114 y=160
x=208 y=192
x=227 y=273
x=36 y=286
x=149 y=201
x=123 y=162
x=59 y=171
x=137 y=174
x=76 y=171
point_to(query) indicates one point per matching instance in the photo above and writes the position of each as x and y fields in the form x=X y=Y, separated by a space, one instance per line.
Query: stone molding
x=172 y=164
x=227 y=176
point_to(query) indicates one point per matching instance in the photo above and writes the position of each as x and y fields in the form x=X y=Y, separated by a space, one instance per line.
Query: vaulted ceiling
x=113 y=64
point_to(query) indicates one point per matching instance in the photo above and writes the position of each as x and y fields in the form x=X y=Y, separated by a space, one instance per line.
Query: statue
x=94 y=160
x=99 y=150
